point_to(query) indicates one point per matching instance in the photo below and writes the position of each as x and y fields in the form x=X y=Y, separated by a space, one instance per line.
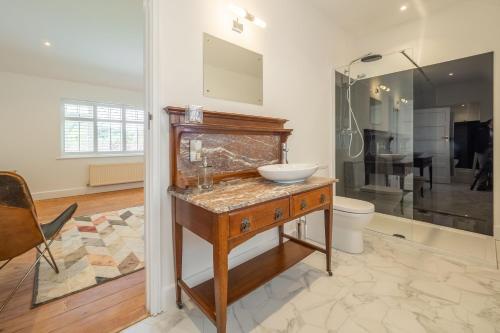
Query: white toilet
x=350 y=217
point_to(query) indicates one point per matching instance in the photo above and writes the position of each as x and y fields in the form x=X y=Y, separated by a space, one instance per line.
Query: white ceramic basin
x=288 y=173
x=392 y=157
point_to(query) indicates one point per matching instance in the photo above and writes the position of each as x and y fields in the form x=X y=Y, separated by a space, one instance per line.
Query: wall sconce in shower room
x=244 y=14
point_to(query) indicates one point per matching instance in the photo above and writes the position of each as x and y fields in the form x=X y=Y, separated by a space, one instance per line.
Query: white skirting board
x=69 y=192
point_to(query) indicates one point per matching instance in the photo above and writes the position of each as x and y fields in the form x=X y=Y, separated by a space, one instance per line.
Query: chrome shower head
x=371 y=57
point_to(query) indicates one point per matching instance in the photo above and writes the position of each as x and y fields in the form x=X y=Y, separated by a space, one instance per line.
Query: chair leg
x=54 y=267
x=5 y=263
x=47 y=246
x=7 y=300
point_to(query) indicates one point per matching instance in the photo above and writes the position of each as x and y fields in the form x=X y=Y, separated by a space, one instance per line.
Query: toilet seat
x=353 y=206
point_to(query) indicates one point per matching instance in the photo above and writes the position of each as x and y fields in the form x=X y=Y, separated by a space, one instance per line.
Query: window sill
x=70 y=157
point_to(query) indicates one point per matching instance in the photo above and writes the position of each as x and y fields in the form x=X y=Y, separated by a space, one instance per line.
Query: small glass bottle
x=205 y=175
x=193 y=114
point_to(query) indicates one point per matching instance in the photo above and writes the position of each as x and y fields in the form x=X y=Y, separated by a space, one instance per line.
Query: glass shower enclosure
x=374 y=139
x=417 y=142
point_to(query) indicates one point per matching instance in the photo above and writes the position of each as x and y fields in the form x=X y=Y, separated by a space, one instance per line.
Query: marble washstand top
x=226 y=197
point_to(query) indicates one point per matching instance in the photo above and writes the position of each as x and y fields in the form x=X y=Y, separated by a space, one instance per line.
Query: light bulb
x=238 y=11
x=260 y=23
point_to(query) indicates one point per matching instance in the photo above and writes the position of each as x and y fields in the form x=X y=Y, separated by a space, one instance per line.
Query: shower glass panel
x=453 y=132
x=374 y=142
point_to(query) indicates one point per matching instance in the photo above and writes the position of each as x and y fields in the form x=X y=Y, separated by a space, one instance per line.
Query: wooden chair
x=20 y=230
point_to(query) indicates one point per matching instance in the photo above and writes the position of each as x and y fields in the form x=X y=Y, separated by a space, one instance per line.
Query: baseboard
x=168 y=292
x=69 y=192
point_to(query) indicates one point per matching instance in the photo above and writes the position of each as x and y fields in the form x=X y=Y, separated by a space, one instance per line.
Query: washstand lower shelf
x=245 y=278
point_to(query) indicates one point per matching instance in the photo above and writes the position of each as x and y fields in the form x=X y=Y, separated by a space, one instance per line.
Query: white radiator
x=110 y=174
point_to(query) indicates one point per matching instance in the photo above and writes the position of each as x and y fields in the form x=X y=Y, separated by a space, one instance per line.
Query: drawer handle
x=245 y=224
x=278 y=214
x=322 y=198
x=303 y=204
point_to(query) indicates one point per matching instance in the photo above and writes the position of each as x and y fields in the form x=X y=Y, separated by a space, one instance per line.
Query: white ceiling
x=101 y=42
x=362 y=17
x=93 y=41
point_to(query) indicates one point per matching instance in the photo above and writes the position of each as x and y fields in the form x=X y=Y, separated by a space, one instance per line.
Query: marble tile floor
x=471 y=246
x=393 y=286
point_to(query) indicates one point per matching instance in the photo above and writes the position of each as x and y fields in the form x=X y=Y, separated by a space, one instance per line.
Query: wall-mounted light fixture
x=243 y=14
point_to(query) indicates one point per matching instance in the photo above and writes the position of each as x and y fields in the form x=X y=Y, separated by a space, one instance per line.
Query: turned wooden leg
x=177 y=240
x=328 y=238
x=281 y=230
x=220 y=254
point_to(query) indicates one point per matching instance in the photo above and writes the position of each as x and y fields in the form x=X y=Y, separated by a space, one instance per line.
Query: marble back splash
x=229 y=153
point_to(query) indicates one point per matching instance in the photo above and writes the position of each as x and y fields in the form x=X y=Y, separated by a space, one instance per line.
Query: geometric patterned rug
x=91 y=250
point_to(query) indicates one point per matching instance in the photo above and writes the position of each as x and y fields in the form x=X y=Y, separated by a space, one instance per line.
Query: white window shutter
x=96 y=128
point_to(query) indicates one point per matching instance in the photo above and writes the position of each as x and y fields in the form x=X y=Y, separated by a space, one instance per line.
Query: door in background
x=431 y=135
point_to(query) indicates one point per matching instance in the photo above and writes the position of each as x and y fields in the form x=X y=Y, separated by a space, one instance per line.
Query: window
x=99 y=129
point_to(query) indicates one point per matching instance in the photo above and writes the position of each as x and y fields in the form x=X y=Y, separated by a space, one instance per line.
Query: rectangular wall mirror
x=231 y=72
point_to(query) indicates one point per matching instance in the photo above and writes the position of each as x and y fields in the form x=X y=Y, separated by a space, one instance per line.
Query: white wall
x=30 y=132
x=299 y=47
x=465 y=29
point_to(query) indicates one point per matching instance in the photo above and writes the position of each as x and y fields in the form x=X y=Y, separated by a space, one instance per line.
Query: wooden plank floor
x=105 y=308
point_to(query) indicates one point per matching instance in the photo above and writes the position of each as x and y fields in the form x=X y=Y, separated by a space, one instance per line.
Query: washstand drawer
x=260 y=216
x=309 y=201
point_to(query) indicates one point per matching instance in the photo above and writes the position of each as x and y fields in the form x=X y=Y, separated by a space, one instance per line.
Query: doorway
x=73 y=96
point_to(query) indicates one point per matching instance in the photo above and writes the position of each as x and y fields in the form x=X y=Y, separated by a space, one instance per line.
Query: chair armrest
x=51 y=229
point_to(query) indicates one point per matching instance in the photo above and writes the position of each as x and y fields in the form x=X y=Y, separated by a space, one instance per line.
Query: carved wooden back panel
x=236 y=145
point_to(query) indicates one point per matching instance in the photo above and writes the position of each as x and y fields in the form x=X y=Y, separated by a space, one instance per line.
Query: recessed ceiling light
x=451 y=74
x=463 y=105
x=47 y=43
x=403 y=8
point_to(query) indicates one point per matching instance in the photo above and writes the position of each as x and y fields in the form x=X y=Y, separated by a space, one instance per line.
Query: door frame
x=152 y=188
